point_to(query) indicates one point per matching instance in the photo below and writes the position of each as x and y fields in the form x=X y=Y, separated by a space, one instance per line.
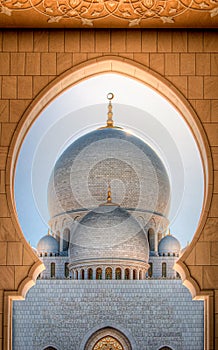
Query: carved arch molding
x=109 y=13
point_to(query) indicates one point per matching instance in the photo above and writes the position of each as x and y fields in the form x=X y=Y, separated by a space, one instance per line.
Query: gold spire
x=110 y=122
x=109 y=199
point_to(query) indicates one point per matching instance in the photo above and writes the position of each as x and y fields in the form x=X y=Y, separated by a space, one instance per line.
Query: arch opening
x=203 y=150
x=143 y=117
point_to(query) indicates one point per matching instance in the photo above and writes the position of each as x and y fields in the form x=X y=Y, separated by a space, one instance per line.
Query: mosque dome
x=48 y=244
x=169 y=245
x=109 y=154
x=109 y=234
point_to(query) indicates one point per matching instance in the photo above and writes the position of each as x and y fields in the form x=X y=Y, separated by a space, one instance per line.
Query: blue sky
x=83 y=108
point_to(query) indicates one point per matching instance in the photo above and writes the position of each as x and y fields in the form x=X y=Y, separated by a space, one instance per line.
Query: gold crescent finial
x=110 y=122
x=109 y=198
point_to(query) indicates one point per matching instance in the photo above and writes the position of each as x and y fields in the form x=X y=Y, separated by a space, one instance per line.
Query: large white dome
x=137 y=175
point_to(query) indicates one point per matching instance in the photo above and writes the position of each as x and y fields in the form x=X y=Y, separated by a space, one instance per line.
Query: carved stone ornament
x=109 y=13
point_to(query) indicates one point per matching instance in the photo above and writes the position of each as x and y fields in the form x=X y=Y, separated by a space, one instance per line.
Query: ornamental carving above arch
x=109 y=13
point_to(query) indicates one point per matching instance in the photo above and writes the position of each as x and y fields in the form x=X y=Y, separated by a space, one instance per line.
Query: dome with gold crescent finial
x=137 y=174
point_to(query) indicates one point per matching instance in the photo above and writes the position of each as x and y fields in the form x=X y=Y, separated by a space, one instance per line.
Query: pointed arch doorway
x=108 y=339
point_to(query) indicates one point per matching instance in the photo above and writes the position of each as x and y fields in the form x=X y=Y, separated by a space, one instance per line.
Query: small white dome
x=48 y=244
x=169 y=245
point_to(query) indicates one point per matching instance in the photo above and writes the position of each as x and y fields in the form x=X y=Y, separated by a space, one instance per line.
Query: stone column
x=113 y=273
x=137 y=274
x=131 y=274
x=61 y=242
x=103 y=273
x=122 y=274
x=155 y=243
x=86 y=274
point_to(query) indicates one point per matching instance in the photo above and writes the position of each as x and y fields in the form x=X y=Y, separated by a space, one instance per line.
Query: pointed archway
x=163 y=87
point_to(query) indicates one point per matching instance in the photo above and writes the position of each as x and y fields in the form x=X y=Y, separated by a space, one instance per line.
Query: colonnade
x=108 y=273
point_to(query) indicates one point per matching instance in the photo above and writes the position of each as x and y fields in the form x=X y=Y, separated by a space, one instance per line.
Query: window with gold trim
x=99 y=273
x=108 y=343
x=127 y=274
x=118 y=273
x=108 y=273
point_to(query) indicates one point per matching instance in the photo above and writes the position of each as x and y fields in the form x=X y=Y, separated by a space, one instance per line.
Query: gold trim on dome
x=109 y=13
x=109 y=199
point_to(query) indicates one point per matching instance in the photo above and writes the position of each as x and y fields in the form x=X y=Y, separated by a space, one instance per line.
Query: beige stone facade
x=36 y=65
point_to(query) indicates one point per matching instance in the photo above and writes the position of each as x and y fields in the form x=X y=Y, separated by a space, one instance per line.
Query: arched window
x=66 y=270
x=126 y=274
x=82 y=274
x=118 y=273
x=165 y=348
x=76 y=275
x=66 y=239
x=178 y=275
x=151 y=239
x=52 y=270
x=46 y=254
x=50 y=348
x=164 y=269
x=134 y=274
x=108 y=273
x=90 y=274
x=99 y=274
x=150 y=270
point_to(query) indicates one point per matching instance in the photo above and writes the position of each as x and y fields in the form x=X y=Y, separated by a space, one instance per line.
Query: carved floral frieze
x=110 y=13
